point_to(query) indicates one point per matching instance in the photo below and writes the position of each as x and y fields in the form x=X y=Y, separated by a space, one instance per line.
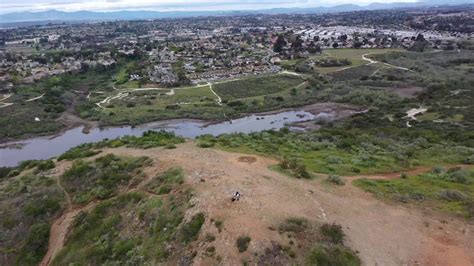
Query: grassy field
x=353 y=55
x=251 y=87
x=447 y=190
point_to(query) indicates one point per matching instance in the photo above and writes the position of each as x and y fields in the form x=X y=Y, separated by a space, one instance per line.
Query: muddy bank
x=325 y=113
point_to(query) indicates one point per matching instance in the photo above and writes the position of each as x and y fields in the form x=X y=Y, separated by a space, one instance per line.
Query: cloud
x=7 y=6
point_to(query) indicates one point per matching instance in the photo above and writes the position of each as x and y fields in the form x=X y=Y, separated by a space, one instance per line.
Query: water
x=47 y=147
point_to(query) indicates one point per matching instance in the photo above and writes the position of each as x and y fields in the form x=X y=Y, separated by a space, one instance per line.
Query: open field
x=251 y=87
x=355 y=56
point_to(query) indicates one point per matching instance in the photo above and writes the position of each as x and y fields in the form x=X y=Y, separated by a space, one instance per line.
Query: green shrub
x=295 y=225
x=438 y=170
x=243 y=243
x=332 y=233
x=295 y=167
x=205 y=144
x=170 y=146
x=45 y=165
x=334 y=255
x=81 y=151
x=210 y=238
x=36 y=245
x=42 y=206
x=219 y=225
x=451 y=195
x=469 y=160
x=101 y=178
x=151 y=139
x=5 y=171
x=191 y=229
x=470 y=209
x=164 y=183
x=335 y=179
x=14 y=172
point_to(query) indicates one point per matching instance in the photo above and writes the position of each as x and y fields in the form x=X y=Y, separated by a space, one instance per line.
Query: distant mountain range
x=54 y=15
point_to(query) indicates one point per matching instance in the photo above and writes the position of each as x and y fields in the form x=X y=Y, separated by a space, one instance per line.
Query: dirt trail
x=382 y=233
x=219 y=99
x=60 y=226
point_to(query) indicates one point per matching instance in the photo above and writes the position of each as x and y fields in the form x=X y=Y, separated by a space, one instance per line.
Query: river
x=41 y=148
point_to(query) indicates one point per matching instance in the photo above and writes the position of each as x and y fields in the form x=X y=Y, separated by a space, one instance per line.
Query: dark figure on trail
x=236 y=196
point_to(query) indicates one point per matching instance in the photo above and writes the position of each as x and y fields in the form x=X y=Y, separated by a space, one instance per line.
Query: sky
x=8 y=6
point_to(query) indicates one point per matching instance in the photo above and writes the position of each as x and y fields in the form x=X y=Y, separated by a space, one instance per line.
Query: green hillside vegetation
x=100 y=178
x=28 y=206
x=132 y=229
x=450 y=190
x=149 y=139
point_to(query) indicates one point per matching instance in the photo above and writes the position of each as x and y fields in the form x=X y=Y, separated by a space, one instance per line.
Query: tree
x=279 y=44
x=335 y=45
x=420 y=44
x=297 y=44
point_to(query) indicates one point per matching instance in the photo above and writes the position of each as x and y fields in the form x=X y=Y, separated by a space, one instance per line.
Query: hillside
x=175 y=207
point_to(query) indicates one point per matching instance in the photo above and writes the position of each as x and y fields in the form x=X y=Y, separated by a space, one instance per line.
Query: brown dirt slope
x=383 y=234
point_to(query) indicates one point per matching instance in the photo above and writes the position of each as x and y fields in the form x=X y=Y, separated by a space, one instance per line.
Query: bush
x=205 y=144
x=336 y=180
x=101 y=178
x=36 y=245
x=191 y=229
x=5 y=171
x=81 y=151
x=437 y=170
x=295 y=167
x=219 y=225
x=451 y=195
x=469 y=160
x=164 y=183
x=295 y=225
x=149 y=139
x=333 y=233
x=243 y=243
x=170 y=146
x=458 y=175
x=45 y=165
x=470 y=209
x=335 y=255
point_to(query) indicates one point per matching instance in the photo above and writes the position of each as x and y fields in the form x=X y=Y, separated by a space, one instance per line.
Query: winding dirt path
x=35 y=98
x=381 y=233
x=60 y=226
x=3 y=104
x=372 y=61
x=219 y=99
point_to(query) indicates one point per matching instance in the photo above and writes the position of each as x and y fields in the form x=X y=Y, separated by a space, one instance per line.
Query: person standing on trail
x=236 y=196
